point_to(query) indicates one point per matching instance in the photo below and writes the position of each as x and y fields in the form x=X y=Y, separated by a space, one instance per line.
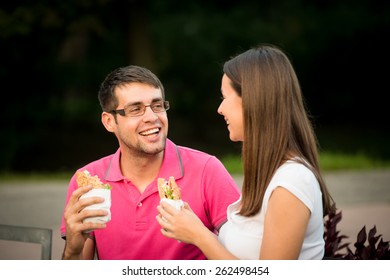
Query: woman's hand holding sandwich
x=181 y=224
x=184 y=225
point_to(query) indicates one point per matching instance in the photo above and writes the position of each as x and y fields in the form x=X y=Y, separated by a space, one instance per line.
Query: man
x=134 y=110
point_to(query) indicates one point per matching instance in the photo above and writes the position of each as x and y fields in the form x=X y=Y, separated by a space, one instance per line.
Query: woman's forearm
x=208 y=243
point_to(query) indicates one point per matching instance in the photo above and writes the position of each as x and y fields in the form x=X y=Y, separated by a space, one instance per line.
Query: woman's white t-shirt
x=242 y=236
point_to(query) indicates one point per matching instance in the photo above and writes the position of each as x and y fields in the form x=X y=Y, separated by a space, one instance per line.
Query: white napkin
x=178 y=204
x=105 y=205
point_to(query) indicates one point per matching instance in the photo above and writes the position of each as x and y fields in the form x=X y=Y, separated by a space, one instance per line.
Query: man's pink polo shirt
x=133 y=232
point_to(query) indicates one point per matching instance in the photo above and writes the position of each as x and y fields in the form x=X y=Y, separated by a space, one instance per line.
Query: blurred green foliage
x=54 y=55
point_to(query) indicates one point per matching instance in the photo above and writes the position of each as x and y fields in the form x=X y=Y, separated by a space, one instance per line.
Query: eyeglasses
x=139 y=109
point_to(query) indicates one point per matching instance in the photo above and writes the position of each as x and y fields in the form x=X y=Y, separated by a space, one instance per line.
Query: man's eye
x=134 y=109
x=157 y=106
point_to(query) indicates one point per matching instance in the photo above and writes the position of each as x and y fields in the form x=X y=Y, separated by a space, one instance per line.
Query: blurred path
x=36 y=204
x=363 y=197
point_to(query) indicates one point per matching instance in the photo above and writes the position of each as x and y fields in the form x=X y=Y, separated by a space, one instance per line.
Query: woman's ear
x=109 y=121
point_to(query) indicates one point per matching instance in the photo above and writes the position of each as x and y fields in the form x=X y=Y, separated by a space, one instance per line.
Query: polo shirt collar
x=172 y=164
x=113 y=172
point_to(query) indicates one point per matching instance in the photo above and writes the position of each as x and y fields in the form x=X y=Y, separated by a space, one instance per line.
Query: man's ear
x=108 y=121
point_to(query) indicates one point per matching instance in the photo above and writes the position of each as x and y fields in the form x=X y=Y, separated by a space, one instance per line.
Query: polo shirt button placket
x=140 y=204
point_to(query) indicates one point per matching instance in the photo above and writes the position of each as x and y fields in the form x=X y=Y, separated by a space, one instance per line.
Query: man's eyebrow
x=133 y=103
x=141 y=103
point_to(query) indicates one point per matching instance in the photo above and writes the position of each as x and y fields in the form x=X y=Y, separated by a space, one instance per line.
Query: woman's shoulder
x=294 y=171
x=296 y=164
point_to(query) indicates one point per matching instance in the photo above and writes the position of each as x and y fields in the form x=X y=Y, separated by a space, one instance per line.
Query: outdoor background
x=54 y=55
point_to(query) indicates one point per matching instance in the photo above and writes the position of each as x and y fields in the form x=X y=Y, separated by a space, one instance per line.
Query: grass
x=334 y=161
x=35 y=176
x=329 y=161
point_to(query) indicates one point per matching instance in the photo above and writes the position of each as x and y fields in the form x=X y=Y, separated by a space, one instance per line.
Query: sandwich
x=170 y=192
x=84 y=178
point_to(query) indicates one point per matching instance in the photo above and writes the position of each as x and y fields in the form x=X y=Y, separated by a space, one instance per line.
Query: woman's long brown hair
x=276 y=124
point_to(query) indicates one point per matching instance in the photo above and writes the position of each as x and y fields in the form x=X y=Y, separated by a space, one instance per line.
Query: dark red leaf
x=362 y=236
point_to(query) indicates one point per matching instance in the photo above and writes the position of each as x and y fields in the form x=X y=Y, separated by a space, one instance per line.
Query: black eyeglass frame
x=122 y=112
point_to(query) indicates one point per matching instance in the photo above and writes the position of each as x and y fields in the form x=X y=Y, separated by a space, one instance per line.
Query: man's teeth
x=150 y=131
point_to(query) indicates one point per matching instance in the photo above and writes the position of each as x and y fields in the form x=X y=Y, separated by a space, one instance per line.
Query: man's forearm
x=67 y=255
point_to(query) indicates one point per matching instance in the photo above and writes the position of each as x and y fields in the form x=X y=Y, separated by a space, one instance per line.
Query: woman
x=284 y=197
